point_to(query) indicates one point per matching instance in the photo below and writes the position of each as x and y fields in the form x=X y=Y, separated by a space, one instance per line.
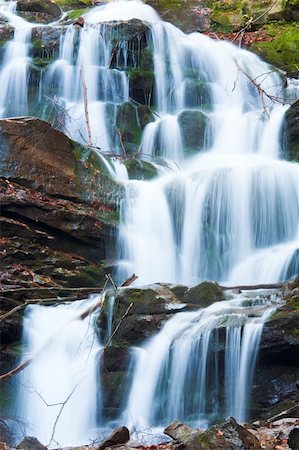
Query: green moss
x=67 y=4
x=75 y=13
x=203 y=440
x=283 y=50
x=140 y=170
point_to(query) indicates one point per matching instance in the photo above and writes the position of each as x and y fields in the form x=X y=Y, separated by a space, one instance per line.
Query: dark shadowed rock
x=39 y=10
x=120 y=435
x=292 y=132
x=293 y=441
x=30 y=443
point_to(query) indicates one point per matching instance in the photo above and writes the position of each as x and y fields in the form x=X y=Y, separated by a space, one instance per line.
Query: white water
x=227 y=210
x=180 y=366
x=65 y=368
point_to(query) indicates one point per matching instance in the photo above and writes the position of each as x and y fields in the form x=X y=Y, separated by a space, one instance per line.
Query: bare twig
x=85 y=98
x=118 y=325
x=121 y=142
x=252 y=20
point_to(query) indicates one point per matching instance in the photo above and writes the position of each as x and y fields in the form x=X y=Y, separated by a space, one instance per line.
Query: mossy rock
x=141 y=86
x=39 y=10
x=283 y=50
x=204 y=294
x=73 y=4
x=193 y=125
x=233 y=21
x=115 y=387
x=140 y=170
x=291 y=133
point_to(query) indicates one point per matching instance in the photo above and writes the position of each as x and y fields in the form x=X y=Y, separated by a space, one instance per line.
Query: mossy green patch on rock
x=140 y=170
x=204 y=294
x=283 y=50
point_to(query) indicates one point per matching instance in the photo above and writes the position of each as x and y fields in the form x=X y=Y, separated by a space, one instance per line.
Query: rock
x=204 y=294
x=280 y=340
x=193 y=126
x=30 y=443
x=228 y=435
x=128 y=128
x=120 y=435
x=292 y=132
x=282 y=48
x=188 y=15
x=233 y=20
x=52 y=163
x=293 y=441
x=140 y=170
x=39 y=10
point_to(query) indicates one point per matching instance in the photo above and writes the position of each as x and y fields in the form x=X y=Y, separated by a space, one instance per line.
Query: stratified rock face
x=32 y=150
x=40 y=157
x=276 y=379
x=58 y=221
x=39 y=10
x=292 y=132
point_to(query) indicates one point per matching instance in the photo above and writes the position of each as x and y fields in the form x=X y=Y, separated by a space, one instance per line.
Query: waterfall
x=180 y=366
x=225 y=207
x=64 y=368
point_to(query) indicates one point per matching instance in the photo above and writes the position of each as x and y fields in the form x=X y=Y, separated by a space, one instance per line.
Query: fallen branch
x=118 y=325
x=17 y=369
x=252 y=287
x=85 y=98
x=129 y=280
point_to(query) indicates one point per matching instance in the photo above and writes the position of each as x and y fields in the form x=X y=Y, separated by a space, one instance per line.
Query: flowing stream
x=224 y=207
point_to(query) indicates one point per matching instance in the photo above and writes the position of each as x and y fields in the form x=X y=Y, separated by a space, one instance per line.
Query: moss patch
x=283 y=50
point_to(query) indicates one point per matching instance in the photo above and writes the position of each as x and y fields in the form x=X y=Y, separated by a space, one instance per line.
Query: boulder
x=30 y=443
x=193 y=125
x=228 y=435
x=292 y=133
x=39 y=10
x=120 y=435
x=204 y=294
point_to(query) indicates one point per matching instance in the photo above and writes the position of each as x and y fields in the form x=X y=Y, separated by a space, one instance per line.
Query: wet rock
x=45 y=44
x=39 y=10
x=292 y=133
x=293 y=441
x=280 y=340
x=128 y=128
x=120 y=435
x=140 y=170
x=131 y=35
x=204 y=294
x=193 y=126
x=30 y=443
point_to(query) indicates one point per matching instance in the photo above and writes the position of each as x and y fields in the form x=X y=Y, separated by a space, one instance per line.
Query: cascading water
x=62 y=375
x=226 y=209
x=180 y=366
